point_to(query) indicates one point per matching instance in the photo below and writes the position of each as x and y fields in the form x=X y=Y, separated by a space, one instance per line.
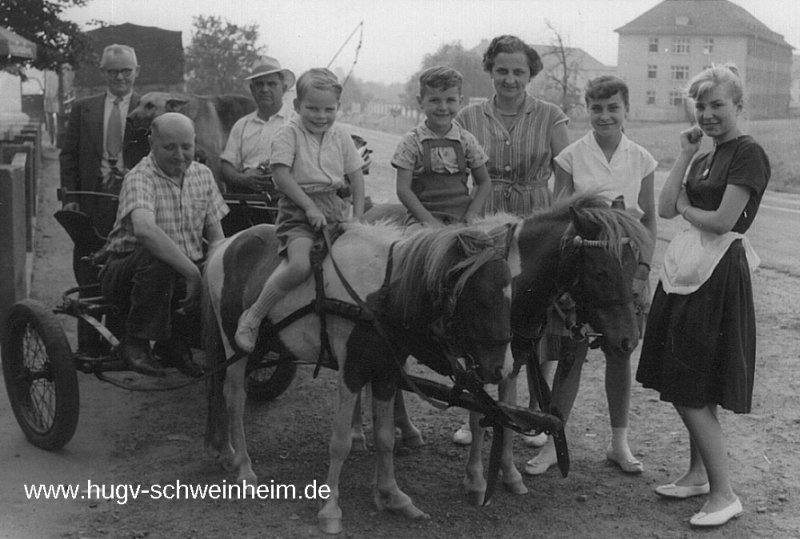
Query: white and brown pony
x=441 y=295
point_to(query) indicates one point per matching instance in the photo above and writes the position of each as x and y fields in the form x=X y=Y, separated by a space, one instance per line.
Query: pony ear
x=583 y=225
x=503 y=237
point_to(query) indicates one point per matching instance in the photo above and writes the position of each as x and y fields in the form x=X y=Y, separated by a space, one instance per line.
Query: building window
x=676 y=98
x=682 y=21
x=653 y=45
x=708 y=46
x=652 y=71
x=680 y=45
x=651 y=97
x=680 y=72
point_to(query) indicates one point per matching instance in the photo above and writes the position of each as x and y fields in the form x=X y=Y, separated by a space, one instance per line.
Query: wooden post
x=12 y=234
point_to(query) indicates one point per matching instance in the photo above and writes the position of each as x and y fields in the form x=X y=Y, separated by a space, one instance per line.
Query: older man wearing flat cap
x=249 y=143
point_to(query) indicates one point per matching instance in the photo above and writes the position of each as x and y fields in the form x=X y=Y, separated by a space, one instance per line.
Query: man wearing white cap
x=245 y=161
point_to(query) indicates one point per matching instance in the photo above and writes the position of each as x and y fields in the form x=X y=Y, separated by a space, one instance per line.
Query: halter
x=443 y=333
x=572 y=282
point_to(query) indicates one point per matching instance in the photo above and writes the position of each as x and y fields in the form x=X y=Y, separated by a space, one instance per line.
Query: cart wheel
x=264 y=384
x=40 y=375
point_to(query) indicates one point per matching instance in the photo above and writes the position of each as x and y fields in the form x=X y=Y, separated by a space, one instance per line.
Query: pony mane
x=593 y=206
x=427 y=261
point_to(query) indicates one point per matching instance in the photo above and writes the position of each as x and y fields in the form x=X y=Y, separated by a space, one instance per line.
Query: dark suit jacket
x=82 y=154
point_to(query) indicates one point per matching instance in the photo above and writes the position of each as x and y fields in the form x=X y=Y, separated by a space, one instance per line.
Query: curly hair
x=510 y=45
x=605 y=86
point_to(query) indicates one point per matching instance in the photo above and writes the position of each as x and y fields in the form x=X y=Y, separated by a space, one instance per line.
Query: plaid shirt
x=183 y=212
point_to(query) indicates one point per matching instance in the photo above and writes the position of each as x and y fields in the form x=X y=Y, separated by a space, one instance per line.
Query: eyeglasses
x=114 y=73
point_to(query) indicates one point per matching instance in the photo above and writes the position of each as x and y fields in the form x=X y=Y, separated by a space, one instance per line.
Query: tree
x=476 y=81
x=57 y=41
x=219 y=55
x=562 y=75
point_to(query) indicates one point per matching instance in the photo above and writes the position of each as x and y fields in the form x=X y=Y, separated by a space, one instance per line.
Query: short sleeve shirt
x=408 y=155
x=315 y=165
x=586 y=162
x=251 y=138
x=741 y=161
x=181 y=211
x=523 y=154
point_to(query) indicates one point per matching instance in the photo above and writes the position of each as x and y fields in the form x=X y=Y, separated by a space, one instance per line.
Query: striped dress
x=520 y=159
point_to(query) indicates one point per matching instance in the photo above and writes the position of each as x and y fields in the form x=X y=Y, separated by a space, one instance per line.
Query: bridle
x=574 y=283
x=446 y=331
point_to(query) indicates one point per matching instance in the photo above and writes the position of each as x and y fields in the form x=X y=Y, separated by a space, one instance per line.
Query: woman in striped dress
x=521 y=135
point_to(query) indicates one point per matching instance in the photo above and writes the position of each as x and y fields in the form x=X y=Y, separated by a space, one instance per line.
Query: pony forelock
x=427 y=261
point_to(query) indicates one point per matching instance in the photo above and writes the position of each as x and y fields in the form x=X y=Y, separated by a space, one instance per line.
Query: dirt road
x=156 y=439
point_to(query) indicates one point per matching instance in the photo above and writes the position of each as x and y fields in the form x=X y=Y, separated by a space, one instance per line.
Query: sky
x=397 y=34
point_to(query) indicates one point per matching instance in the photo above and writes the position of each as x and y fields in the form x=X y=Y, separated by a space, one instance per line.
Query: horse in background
x=440 y=295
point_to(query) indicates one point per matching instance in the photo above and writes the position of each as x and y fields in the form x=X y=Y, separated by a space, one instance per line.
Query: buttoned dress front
x=520 y=159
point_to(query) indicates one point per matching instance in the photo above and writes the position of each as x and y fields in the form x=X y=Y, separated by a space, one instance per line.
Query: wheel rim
x=34 y=384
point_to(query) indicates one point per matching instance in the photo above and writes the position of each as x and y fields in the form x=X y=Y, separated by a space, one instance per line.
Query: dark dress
x=699 y=348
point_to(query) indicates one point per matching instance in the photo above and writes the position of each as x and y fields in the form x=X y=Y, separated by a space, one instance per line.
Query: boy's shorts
x=292 y=222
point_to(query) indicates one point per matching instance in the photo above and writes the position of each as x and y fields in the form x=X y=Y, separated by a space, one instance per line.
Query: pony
x=441 y=295
x=581 y=246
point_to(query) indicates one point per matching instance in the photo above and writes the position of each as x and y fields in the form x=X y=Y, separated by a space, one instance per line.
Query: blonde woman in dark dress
x=699 y=346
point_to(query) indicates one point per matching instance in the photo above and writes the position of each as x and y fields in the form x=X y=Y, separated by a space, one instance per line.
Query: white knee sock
x=270 y=295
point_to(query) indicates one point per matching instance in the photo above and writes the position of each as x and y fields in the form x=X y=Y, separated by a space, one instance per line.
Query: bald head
x=172 y=143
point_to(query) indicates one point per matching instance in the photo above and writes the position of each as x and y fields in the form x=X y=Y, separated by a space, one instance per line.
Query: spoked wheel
x=264 y=384
x=40 y=375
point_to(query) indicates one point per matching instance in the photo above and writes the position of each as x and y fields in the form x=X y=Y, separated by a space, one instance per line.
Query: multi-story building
x=662 y=49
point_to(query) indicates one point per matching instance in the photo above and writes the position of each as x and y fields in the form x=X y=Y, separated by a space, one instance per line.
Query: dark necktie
x=114 y=133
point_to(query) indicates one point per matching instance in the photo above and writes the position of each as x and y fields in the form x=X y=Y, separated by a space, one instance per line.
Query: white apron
x=693 y=255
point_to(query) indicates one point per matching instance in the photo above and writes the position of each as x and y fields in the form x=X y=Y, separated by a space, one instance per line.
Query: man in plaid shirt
x=167 y=204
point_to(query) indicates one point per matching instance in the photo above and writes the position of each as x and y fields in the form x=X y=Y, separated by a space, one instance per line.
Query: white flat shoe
x=246 y=335
x=718 y=518
x=463 y=436
x=535 y=441
x=537 y=466
x=681 y=493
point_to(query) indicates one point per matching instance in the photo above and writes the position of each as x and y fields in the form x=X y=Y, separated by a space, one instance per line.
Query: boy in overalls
x=432 y=160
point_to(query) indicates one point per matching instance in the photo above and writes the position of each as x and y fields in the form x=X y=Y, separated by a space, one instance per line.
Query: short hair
x=726 y=75
x=441 y=78
x=606 y=86
x=510 y=45
x=319 y=78
x=116 y=50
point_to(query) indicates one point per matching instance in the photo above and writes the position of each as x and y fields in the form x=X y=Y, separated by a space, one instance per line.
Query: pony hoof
x=247 y=479
x=516 y=487
x=359 y=444
x=330 y=525
x=476 y=497
x=413 y=440
x=227 y=463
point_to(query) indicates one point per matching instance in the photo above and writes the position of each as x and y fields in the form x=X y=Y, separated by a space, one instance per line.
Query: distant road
x=775 y=234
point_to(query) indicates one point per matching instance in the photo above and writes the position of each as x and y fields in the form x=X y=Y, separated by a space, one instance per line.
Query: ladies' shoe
x=535 y=441
x=631 y=466
x=718 y=518
x=681 y=493
x=463 y=436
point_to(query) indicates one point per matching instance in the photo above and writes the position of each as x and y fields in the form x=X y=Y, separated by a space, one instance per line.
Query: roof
x=706 y=17
x=15 y=46
x=576 y=54
x=158 y=51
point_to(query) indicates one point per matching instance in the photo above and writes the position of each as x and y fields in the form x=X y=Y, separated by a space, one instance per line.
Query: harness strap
x=376 y=323
x=325 y=350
